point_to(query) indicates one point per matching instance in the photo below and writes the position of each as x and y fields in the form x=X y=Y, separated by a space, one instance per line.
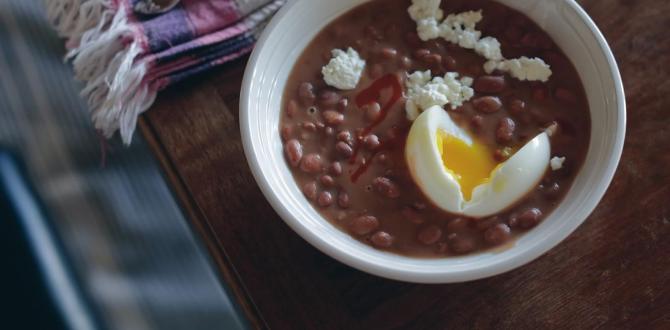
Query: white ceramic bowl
x=289 y=33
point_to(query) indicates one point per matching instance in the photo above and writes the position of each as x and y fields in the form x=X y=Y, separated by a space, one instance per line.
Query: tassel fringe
x=105 y=50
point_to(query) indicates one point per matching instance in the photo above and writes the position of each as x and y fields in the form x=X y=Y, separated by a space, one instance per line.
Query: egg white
x=508 y=183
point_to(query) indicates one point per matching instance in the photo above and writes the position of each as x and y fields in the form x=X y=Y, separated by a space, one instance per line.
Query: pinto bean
x=429 y=235
x=327 y=181
x=286 y=132
x=433 y=59
x=363 y=225
x=342 y=105
x=412 y=215
x=293 y=150
x=328 y=98
x=382 y=239
x=309 y=126
x=371 y=142
x=386 y=187
x=489 y=84
x=311 y=163
x=306 y=93
x=372 y=111
x=476 y=122
x=310 y=190
x=449 y=63
x=487 y=104
x=345 y=136
x=497 y=234
x=333 y=118
x=335 y=169
x=505 y=131
x=389 y=53
x=419 y=54
x=325 y=199
x=292 y=108
x=461 y=244
x=517 y=107
x=344 y=150
x=343 y=200
x=457 y=224
x=406 y=62
x=530 y=218
x=484 y=224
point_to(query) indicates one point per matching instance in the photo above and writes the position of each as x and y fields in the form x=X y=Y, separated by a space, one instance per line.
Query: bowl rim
x=409 y=275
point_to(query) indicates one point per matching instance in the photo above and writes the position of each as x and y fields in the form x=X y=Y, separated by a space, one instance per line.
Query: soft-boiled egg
x=459 y=174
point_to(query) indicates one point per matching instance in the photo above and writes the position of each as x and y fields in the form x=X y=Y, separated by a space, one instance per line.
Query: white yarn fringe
x=105 y=57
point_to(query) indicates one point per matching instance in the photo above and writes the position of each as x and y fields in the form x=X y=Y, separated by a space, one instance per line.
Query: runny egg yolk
x=471 y=165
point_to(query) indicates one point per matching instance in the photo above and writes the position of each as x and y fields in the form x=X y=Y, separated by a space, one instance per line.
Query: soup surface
x=348 y=156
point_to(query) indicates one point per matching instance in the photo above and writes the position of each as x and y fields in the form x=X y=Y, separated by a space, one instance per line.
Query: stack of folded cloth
x=125 y=57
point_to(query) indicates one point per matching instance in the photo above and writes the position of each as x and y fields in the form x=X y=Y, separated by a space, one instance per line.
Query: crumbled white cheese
x=557 y=163
x=456 y=28
x=461 y=29
x=423 y=92
x=489 y=48
x=523 y=68
x=421 y=9
x=344 y=70
x=427 y=29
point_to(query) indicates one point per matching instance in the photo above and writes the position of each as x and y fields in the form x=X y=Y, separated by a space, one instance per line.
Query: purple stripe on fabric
x=197 y=35
x=209 y=54
x=167 y=30
x=189 y=20
x=205 y=41
x=173 y=78
x=207 y=16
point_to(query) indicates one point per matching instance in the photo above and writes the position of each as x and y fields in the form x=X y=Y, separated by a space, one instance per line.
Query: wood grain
x=613 y=272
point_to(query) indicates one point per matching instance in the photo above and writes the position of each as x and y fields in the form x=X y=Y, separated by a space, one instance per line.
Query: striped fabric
x=130 y=244
x=126 y=57
x=198 y=35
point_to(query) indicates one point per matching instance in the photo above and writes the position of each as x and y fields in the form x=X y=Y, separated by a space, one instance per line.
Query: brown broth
x=372 y=29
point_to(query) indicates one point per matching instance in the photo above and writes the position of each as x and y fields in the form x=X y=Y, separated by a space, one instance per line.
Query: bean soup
x=346 y=148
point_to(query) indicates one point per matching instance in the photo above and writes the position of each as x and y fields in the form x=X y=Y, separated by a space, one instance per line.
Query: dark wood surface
x=613 y=272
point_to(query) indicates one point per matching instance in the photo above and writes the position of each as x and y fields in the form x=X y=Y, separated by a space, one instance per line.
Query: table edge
x=198 y=222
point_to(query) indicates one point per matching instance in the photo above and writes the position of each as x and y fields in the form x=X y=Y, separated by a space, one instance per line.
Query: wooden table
x=613 y=272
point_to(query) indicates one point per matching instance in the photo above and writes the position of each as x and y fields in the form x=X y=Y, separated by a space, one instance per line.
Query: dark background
x=28 y=304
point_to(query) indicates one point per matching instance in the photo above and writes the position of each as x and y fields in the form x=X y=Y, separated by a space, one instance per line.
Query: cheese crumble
x=461 y=29
x=344 y=70
x=421 y=9
x=523 y=68
x=424 y=91
x=456 y=28
x=489 y=48
x=556 y=163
